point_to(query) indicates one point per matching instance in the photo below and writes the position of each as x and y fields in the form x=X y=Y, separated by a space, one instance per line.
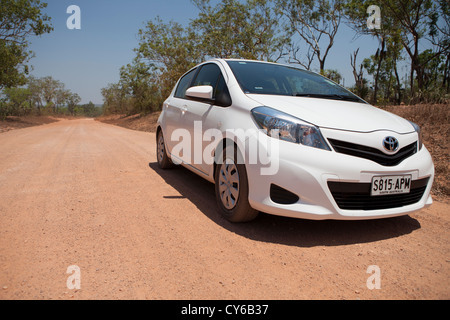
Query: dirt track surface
x=89 y=194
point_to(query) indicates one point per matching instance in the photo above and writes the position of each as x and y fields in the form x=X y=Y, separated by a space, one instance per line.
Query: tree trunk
x=380 y=60
x=446 y=80
x=399 y=85
x=322 y=66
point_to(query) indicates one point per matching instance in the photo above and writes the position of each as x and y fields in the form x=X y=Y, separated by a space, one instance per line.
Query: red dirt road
x=89 y=194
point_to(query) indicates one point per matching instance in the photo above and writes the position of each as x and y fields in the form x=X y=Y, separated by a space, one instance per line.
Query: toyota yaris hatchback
x=289 y=142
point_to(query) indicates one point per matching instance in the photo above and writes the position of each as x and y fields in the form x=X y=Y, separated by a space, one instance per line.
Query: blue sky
x=87 y=60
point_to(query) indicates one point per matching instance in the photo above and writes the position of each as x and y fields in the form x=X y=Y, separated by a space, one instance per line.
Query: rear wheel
x=231 y=185
x=164 y=162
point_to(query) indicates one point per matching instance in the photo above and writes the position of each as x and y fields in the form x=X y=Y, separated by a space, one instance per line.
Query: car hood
x=336 y=114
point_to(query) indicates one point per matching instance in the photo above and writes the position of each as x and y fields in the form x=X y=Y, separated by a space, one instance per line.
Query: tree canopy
x=415 y=33
x=19 y=20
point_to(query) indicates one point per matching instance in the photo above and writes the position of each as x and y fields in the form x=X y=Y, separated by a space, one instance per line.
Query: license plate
x=386 y=185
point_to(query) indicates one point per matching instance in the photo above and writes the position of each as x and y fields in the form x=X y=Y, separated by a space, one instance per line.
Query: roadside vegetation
x=21 y=94
x=44 y=97
x=412 y=36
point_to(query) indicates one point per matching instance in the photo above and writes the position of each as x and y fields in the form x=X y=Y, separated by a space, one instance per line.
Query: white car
x=289 y=142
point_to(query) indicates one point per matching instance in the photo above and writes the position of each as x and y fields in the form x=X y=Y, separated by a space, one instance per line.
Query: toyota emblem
x=390 y=144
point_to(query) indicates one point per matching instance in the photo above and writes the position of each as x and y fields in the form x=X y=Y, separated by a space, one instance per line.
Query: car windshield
x=275 y=79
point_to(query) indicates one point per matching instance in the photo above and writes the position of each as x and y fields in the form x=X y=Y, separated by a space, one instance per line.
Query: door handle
x=184 y=109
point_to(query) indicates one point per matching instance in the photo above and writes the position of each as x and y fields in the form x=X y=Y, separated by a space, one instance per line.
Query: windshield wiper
x=328 y=96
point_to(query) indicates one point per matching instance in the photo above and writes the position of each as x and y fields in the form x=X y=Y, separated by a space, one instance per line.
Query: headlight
x=285 y=127
x=419 y=132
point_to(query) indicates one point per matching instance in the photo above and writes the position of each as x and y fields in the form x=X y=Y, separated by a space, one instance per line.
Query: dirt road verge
x=12 y=123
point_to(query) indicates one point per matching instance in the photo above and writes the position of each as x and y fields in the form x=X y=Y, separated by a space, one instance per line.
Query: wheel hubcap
x=229 y=184
x=160 y=148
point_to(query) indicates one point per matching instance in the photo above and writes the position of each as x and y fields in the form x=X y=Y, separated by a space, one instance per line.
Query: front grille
x=373 y=154
x=356 y=196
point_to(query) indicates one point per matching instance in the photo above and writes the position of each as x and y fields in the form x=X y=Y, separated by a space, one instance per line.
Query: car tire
x=164 y=161
x=231 y=185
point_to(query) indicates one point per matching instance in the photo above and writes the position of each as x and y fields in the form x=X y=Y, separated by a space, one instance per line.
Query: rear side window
x=184 y=84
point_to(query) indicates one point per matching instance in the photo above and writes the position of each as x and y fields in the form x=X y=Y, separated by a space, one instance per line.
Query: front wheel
x=164 y=162
x=231 y=186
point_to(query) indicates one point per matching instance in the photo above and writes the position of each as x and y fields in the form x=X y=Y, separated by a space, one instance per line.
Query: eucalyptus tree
x=406 y=26
x=19 y=19
x=315 y=24
x=240 y=29
x=169 y=50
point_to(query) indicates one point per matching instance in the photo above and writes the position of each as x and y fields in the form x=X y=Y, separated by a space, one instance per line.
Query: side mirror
x=200 y=92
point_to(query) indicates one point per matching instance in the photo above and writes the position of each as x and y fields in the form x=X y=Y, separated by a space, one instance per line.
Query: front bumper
x=315 y=176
